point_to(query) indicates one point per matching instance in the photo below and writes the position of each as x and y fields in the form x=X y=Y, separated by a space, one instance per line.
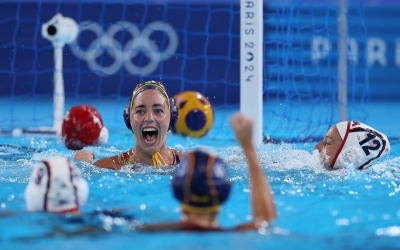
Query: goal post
x=342 y=60
x=276 y=61
x=59 y=31
x=251 y=64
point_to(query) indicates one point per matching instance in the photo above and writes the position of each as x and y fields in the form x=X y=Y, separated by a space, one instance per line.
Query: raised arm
x=262 y=200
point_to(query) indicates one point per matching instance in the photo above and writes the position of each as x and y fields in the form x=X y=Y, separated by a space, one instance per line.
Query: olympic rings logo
x=124 y=54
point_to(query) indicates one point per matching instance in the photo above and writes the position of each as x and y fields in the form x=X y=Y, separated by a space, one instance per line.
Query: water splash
x=139 y=168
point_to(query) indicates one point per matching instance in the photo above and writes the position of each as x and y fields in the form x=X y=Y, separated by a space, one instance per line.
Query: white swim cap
x=56 y=185
x=361 y=145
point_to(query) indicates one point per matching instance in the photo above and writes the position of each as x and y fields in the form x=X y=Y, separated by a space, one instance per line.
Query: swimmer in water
x=83 y=126
x=201 y=185
x=352 y=143
x=150 y=115
x=56 y=186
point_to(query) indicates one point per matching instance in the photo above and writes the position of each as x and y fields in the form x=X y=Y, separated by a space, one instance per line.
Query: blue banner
x=188 y=45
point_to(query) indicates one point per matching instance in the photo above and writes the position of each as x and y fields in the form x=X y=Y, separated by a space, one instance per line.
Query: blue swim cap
x=201 y=182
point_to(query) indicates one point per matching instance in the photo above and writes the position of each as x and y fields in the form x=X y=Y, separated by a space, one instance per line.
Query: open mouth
x=150 y=134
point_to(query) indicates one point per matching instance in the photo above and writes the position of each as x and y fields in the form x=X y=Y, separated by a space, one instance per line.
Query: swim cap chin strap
x=157 y=159
x=200 y=210
x=361 y=145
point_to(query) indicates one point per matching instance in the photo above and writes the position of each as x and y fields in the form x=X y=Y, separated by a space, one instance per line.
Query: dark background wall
x=206 y=58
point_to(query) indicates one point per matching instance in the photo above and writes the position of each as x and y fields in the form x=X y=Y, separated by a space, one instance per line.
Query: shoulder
x=178 y=226
x=244 y=227
x=179 y=153
x=115 y=162
x=174 y=226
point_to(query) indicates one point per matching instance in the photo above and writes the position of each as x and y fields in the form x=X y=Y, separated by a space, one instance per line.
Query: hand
x=243 y=128
x=84 y=155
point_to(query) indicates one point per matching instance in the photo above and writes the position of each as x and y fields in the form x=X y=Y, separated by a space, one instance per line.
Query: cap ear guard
x=126 y=115
x=174 y=114
x=174 y=111
x=362 y=145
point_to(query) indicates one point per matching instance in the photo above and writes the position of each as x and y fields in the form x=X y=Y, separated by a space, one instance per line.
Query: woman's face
x=329 y=147
x=150 y=117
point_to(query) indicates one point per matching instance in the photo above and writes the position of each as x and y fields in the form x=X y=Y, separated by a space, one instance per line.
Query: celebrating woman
x=150 y=115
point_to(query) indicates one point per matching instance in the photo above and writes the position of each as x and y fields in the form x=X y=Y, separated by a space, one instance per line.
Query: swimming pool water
x=317 y=209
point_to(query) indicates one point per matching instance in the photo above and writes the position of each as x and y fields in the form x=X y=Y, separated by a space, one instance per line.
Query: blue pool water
x=317 y=209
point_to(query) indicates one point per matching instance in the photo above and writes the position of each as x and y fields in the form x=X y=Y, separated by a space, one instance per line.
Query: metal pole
x=58 y=97
x=251 y=64
x=342 y=62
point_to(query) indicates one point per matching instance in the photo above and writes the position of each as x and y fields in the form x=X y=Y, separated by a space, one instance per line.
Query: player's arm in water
x=262 y=200
x=117 y=161
x=113 y=162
